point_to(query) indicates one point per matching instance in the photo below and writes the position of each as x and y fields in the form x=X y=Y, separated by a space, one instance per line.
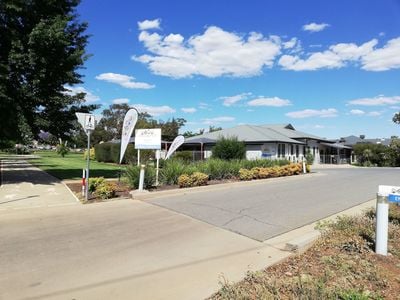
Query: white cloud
x=120 y=101
x=124 y=80
x=204 y=105
x=89 y=97
x=217 y=120
x=374 y=114
x=274 y=101
x=188 y=110
x=383 y=59
x=335 y=57
x=357 y=112
x=376 y=101
x=149 y=24
x=319 y=126
x=214 y=53
x=308 y=113
x=290 y=44
x=231 y=100
x=314 y=27
x=154 y=110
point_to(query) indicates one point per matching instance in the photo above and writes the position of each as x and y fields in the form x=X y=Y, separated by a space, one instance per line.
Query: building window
x=291 y=149
x=297 y=150
x=281 y=150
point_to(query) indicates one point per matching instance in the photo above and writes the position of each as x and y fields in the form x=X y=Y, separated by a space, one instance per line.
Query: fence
x=334 y=159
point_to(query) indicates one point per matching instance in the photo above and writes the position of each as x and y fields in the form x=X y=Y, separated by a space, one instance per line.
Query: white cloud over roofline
x=274 y=102
x=308 y=113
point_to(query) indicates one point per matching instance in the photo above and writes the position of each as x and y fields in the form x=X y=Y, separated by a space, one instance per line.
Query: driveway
x=25 y=186
x=264 y=209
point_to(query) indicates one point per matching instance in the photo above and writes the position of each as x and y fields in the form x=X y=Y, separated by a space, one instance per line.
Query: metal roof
x=248 y=134
x=336 y=145
x=289 y=131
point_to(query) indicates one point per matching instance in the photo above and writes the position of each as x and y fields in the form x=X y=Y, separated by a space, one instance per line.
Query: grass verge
x=70 y=166
x=340 y=265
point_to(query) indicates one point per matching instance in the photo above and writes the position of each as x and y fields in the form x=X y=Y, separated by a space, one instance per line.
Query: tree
x=42 y=47
x=229 y=148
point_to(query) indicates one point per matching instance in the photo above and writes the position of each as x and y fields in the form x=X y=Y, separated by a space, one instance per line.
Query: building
x=279 y=141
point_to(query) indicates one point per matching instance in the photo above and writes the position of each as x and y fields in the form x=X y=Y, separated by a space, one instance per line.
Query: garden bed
x=340 y=265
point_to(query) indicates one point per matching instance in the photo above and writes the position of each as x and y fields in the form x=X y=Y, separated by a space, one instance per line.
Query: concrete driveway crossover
x=264 y=209
x=25 y=186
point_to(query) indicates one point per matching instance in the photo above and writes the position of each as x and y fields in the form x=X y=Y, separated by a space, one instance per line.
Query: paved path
x=123 y=250
x=263 y=209
x=25 y=186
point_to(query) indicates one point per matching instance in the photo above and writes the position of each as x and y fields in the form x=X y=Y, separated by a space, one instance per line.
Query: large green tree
x=42 y=48
x=110 y=125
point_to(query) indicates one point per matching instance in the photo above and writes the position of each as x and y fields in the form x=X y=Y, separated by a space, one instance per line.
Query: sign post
x=89 y=127
x=386 y=194
x=88 y=123
x=147 y=139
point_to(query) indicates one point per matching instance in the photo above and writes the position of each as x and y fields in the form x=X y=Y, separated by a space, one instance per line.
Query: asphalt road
x=261 y=210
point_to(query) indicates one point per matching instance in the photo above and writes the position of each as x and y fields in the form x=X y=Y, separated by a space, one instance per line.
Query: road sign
x=89 y=122
x=394 y=198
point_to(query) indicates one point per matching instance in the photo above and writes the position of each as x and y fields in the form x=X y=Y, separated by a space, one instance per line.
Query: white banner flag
x=127 y=129
x=178 y=141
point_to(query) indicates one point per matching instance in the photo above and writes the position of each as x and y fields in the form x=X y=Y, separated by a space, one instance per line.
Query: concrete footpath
x=127 y=249
x=25 y=186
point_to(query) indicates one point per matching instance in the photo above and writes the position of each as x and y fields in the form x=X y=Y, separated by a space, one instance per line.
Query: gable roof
x=247 y=133
x=289 y=131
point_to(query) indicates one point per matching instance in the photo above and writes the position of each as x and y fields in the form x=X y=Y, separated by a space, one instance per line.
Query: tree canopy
x=42 y=48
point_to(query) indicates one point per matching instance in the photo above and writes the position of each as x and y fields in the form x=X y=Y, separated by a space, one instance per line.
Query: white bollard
x=141 y=178
x=304 y=167
x=382 y=224
x=83 y=182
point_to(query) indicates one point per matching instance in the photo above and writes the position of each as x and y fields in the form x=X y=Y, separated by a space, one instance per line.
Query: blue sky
x=329 y=68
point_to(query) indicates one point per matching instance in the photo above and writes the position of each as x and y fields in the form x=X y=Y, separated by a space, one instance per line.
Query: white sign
x=82 y=120
x=148 y=138
x=127 y=129
x=178 y=141
x=89 y=122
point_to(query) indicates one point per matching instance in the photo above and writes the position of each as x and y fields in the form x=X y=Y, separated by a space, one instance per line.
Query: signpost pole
x=87 y=167
x=138 y=157
x=157 y=165
x=382 y=224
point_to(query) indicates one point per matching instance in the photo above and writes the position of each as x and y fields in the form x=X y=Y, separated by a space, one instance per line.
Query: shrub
x=106 y=190
x=62 y=149
x=94 y=183
x=133 y=175
x=229 y=148
x=308 y=168
x=109 y=152
x=219 y=169
x=186 y=156
x=199 y=178
x=92 y=155
x=245 y=174
x=171 y=171
x=185 y=180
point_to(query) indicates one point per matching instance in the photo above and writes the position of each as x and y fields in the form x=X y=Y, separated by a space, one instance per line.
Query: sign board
x=392 y=192
x=148 y=138
x=89 y=122
x=85 y=121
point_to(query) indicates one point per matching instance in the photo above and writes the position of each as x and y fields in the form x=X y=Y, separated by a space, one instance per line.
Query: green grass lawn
x=70 y=166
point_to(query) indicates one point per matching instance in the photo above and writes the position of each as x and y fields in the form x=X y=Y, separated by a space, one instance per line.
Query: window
x=297 y=150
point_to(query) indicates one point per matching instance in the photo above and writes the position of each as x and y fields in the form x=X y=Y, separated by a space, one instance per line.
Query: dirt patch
x=340 y=265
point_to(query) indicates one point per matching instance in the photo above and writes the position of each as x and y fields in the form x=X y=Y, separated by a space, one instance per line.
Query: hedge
x=109 y=152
